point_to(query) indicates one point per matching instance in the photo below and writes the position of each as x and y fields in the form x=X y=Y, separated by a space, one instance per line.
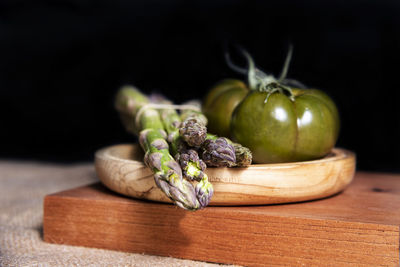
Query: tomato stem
x=263 y=82
x=286 y=65
x=258 y=80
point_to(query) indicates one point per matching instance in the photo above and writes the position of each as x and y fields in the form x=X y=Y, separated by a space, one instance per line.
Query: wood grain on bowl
x=121 y=169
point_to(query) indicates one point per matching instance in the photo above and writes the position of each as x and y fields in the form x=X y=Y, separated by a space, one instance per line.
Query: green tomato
x=304 y=126
x=220 y=103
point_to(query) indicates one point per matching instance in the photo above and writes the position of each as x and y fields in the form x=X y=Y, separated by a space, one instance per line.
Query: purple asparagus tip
x=193 y=132
x=218 y=153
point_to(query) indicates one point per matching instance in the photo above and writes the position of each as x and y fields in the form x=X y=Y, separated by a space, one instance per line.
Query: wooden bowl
x=121 y=169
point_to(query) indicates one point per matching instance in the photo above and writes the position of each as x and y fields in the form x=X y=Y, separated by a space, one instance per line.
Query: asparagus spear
x=193 y=128
x=218 y=152
x=167 y=172
x=243 y=154
x=192 y=166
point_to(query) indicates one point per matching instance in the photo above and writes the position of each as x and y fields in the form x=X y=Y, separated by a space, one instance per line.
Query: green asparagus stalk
x=192 y=166
x=242 y=154
x=167 y=172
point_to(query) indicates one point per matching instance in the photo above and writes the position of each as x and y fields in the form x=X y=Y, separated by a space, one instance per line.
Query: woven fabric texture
x=23 y=186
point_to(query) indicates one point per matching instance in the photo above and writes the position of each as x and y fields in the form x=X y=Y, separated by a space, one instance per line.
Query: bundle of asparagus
x=167 y=172
x=192 y=166
x=177 y=147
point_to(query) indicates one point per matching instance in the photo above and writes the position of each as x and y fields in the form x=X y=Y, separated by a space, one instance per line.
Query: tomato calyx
x=275 y=87
x=264 y=82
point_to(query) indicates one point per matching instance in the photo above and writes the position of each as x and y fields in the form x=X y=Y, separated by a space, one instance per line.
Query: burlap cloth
x=22 y=188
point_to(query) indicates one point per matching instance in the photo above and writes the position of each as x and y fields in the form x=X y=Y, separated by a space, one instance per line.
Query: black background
x=61 y=63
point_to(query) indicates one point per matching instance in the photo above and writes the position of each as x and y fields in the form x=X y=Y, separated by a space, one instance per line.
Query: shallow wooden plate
x=121 y=169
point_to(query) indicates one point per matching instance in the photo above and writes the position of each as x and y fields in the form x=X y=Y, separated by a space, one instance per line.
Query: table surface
x=23 y=186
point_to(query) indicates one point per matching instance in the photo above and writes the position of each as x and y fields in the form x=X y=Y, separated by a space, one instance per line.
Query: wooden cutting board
x=358 y=227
